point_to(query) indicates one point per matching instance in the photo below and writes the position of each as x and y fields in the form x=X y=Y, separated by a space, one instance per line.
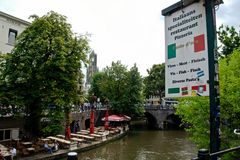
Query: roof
x=14 y=18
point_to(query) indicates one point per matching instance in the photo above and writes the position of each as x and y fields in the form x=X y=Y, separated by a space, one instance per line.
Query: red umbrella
x=117 y=118
x=106 y=121
x=126 y=118
x=92 y=122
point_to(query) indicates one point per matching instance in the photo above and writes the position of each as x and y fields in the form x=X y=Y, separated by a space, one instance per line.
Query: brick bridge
x=161 y=117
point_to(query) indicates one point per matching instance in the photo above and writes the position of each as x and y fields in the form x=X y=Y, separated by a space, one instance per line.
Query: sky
x=131 y=31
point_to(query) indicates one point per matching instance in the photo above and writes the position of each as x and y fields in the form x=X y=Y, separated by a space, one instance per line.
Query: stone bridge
x=161 y=117
x=84 y=117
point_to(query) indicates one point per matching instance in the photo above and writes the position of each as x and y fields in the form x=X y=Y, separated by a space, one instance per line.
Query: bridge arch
x=151 y=120
x=173 y=121
x=162 y=117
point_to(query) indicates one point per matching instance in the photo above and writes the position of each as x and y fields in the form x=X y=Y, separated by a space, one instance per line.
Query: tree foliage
x=44 y=67
x=155 y=81
x=195 y=111
x=98 y=83
x=230 y=97
x=229 y=38
x=123 y=88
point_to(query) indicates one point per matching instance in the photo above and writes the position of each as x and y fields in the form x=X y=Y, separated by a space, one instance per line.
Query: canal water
x=144 y=144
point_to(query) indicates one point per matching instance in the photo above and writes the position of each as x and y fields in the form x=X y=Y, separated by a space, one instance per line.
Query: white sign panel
x=186 y=52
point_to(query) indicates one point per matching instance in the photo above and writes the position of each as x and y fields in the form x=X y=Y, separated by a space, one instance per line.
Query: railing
x=158 y=107
x=88 y=108
x=203 y=154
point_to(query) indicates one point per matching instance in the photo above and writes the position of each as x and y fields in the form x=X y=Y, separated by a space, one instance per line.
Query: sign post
x=190 y=57
x=186 y=55
x=213 y=78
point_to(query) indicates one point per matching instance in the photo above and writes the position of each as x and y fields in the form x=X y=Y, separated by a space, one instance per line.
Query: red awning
x=117 y=118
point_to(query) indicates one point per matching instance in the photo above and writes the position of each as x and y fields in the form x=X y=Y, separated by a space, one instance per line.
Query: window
x=12 y=35
x=5 y=134
x=1 y=134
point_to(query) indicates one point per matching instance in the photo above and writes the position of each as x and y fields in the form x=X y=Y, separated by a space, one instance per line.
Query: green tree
x=229 y=38
x=195 y=111
x=116 y=85
x=123 y=88
x=45 y=67
x=97 y=85
x=155 y=81
x=230 y=97
x=134 y=92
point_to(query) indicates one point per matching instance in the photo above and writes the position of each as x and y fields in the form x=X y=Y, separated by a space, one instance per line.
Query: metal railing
x=159 y=107
x=203 y=154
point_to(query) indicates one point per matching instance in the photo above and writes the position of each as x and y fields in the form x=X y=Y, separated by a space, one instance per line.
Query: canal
x=144 y=144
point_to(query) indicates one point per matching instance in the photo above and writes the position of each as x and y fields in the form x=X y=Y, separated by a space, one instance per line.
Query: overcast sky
x=131 y=31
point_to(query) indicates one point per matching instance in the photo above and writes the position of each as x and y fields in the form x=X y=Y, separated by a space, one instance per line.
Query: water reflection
x=145 y=145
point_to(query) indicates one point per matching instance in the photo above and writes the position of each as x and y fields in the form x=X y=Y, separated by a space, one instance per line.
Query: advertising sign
x=186 y=56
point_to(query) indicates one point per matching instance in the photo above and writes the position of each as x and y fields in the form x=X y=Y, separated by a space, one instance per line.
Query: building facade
x=10 y=28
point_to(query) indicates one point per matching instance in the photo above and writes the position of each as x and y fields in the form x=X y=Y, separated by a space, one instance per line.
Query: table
x=6 y=153
x=26 y=143
x=83 y=136
x=60 y=136
x=31 y=149
x=45 y=139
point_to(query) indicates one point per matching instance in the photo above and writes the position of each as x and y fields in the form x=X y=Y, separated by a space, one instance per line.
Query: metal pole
x=203 y=154
x=213 y=78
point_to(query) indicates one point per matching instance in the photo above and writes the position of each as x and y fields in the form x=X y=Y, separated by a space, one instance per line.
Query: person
x=1 y=155
x=49 y=149
x=67 y=132
x=76 y=127
x=13 y=152
x=55 y=147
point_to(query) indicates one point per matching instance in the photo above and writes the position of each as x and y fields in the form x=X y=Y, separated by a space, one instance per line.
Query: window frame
x=10 y=31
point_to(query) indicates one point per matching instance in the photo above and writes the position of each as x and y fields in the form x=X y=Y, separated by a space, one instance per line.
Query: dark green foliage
x=155 y=81
x=97 y=85
x=195 y=111
x=123 y=88
x=53 y=122
x=45 y=67
x=229 y=39
x=134 y=93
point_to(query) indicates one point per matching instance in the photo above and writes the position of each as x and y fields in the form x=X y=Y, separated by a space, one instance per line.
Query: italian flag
x=199 y=43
